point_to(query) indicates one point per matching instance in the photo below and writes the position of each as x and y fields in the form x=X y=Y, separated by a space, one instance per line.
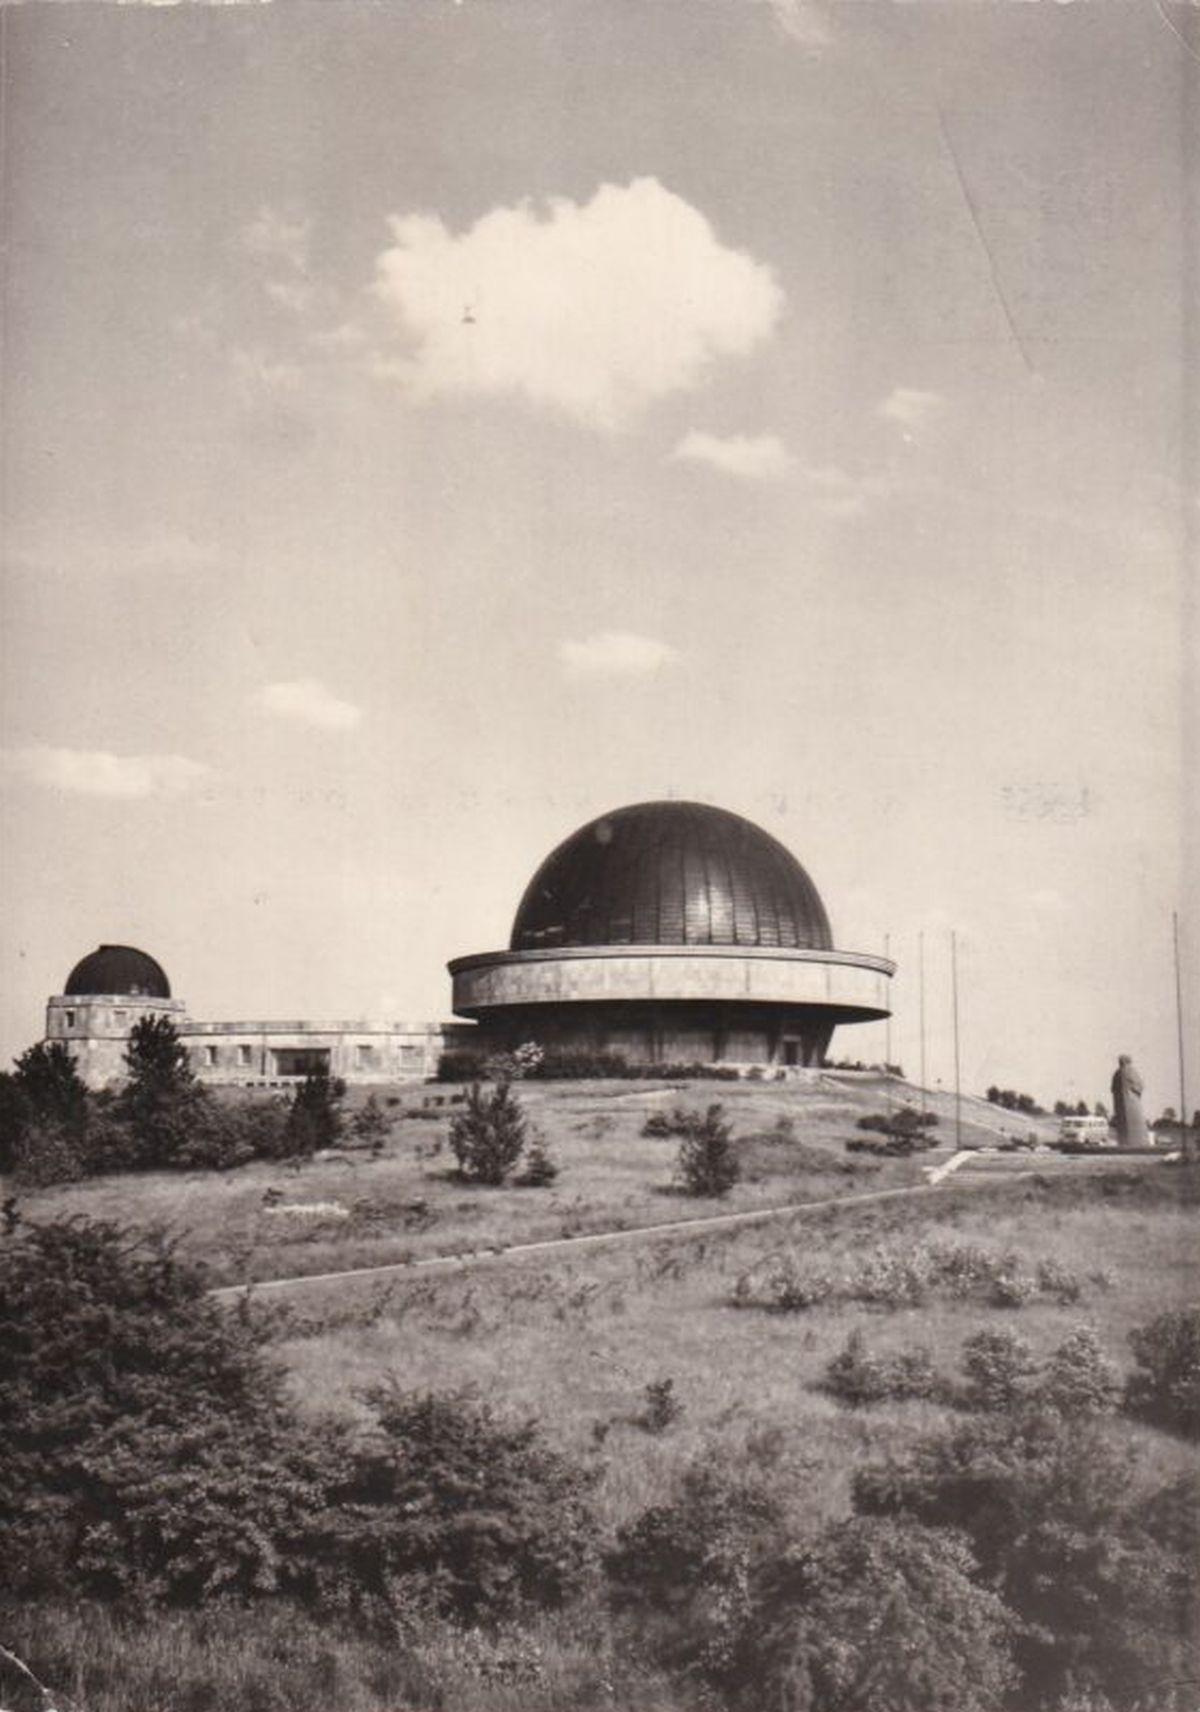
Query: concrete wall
x=851 y=983
x=95 y=1031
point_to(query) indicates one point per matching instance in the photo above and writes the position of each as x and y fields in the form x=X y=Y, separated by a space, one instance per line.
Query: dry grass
x=575 y=1341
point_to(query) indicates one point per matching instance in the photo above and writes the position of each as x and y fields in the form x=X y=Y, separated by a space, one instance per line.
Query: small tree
x=314 y=1118
x=370 y=1126
x=161 y=1102
x=43 y=1116
x=707 y=1164
x=488 y=1136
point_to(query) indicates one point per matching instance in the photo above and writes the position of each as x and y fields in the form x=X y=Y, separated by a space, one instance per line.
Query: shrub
x=314 y=1119
x=370 y=1126
x=1047 y=1507
x=147 y=1448
x=680 y=1576
x=707 y=1164
x=999 y=1368
x=879 y=1614
x=1078 y=1378
x=540 y=1170
x=856 y=1377
x=151 y=1455
x=488 y=1136
x=663 y=1407
x=479 y=1515
x=1166 y=1388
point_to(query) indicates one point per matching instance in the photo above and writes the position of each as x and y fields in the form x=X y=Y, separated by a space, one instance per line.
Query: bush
x=681 y=1575
x=879 y=1615
x=488 y=1136
x=1166 y=1389
x=151 y=1455
x=146 y=1441
x=999 y=1368
x=856 y=1377
x=540 y=1170
x=1048 y=1508
x=707 y=1164
x=441 y=1496
x=663 y=1407
x=1079 y=1379
x=370 y=1126
x=314 y=1119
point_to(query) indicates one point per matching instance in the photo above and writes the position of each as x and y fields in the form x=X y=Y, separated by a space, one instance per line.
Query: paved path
x=557 y=1245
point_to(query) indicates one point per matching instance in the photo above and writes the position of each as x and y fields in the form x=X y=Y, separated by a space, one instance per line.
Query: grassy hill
x=350 y=1210
x=584 y=1341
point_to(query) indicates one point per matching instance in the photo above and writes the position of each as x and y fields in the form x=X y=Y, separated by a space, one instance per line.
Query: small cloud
x=910 y=406
x=275 y=238
x=802 y=22
x=594 y=309
x=307 y=701
x=761 y=457
x=98 y=773
x=615 y=654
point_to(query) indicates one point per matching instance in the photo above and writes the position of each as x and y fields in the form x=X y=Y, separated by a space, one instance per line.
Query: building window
x=365 y=1056
x=70 y=1018
x=244 y=1057
x=210 y=1057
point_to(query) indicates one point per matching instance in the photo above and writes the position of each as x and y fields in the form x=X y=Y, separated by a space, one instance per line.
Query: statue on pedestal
x=1128 y=1120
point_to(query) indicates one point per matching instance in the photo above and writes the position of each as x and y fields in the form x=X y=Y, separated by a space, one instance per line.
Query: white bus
x=1086 y=1132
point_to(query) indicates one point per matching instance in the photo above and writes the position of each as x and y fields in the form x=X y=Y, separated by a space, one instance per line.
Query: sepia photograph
x=599 y=958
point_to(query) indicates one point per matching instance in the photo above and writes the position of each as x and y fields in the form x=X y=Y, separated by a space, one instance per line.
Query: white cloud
x=98 y=773
x=615 y=654
x=910 y=406
x=594 y=309
x=802 y=22
x=761 y=457
x=307 y=701
x=827 y=489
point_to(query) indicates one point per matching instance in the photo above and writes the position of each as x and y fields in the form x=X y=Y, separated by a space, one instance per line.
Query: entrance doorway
x=301 y=1060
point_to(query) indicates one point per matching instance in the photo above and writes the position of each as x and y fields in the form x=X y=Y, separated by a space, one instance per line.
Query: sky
x=430 y=425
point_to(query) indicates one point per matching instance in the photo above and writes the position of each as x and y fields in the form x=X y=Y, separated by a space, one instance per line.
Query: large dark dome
x=671 y=873
x=118 y=969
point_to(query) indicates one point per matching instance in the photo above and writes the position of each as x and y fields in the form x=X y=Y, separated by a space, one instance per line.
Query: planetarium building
x=672 y=932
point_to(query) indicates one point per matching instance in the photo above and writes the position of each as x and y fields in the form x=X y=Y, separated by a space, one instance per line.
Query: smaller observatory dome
x=671 y=873
x=118 y=969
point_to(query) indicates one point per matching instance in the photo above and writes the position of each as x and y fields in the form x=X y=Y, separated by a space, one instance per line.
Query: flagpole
x=957 y=1077
x=921 y=986
x=1183 y=1111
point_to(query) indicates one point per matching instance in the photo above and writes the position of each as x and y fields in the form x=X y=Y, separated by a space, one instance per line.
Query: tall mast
x=921 y=986
x=957 y=1076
